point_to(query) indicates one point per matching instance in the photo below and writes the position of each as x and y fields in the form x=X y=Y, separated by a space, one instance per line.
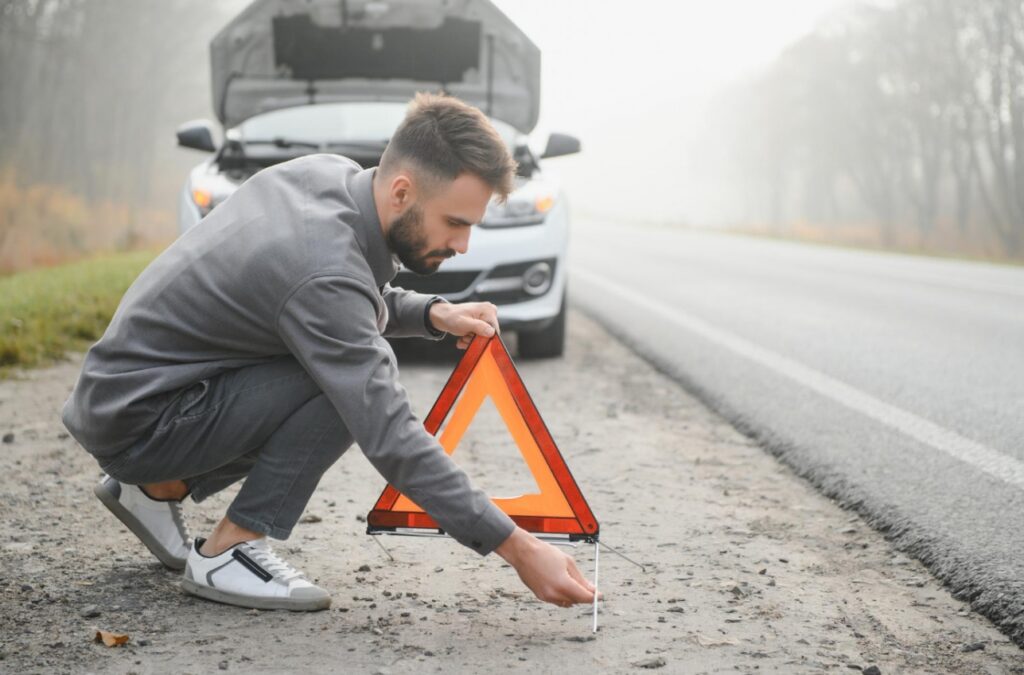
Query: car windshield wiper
x=358 y=145
x=282 y=143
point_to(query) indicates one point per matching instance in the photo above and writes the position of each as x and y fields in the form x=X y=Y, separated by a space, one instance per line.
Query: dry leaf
x=110 y=639
x=705 y=641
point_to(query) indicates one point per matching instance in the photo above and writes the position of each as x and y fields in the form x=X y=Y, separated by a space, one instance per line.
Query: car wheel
x=548 y=342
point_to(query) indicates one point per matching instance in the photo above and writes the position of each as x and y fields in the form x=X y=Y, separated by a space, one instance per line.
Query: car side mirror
x=561 y=144
x=198 y=135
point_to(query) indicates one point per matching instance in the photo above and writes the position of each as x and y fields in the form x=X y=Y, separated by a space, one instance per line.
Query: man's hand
x=465 y=320
x=550 y=574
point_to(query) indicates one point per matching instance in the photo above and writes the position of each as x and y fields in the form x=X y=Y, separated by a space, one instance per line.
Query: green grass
x=45 y=313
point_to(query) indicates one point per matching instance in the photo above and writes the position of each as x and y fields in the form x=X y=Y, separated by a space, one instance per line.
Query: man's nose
x=460 y=243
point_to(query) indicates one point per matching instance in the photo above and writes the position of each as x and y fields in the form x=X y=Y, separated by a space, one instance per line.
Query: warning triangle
x=486 y=370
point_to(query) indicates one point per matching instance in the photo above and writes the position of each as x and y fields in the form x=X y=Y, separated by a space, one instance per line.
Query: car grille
x=439 y=283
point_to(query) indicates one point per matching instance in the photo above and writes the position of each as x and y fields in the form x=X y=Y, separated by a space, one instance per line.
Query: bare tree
x=90 y=94
x=907 y=113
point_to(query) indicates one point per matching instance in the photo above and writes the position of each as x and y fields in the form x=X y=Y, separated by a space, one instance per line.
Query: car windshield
x=336 y=123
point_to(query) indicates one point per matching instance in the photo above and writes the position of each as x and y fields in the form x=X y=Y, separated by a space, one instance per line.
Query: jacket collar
x=368 y=230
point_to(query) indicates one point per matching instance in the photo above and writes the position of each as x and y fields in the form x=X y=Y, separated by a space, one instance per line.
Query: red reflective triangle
x=486 y=370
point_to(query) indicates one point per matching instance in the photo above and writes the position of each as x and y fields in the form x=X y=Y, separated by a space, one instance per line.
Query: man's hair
x=444 y=137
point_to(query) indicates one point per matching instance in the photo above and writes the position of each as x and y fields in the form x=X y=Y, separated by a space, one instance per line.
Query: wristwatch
x=426 y=317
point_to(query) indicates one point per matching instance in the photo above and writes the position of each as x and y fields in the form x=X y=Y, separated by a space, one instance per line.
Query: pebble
x=872 y=670
x=973 y=647
x=363 y=568
x=223 y=665
x=657 y=662
x=310 y=518
x=8 y=437
x=89 y=612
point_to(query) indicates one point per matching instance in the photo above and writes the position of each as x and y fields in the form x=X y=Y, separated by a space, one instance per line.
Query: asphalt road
x=894 y=383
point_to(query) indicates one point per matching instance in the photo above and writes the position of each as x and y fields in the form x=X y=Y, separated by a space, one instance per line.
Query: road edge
x=993 y=605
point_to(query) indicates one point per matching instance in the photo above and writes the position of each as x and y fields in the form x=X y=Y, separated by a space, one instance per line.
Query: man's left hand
x=465 y=320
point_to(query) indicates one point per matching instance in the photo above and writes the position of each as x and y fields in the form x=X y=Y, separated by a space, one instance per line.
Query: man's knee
x=331 y=435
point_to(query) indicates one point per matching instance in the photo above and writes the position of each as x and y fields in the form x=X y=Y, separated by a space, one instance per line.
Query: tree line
x=904 y=119
x=90 y=94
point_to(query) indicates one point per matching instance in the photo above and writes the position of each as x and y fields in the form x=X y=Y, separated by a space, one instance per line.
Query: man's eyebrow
x=459 y=221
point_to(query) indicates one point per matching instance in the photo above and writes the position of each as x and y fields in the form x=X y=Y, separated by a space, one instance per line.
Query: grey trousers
x=267 y=423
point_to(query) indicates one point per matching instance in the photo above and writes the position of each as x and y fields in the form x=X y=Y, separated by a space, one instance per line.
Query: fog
x=893 y=123
x=634 y=81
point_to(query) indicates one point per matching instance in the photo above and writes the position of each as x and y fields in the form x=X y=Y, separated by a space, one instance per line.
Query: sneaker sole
x=114 y=505
x=311 y=605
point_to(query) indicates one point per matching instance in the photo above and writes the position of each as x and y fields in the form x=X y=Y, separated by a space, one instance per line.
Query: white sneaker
x=156 y=522
x=250 y=574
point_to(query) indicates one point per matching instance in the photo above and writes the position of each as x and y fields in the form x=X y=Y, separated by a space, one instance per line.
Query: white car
x=292 y=77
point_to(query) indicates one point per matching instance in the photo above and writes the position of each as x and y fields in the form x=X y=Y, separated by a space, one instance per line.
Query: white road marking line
x=990 y=461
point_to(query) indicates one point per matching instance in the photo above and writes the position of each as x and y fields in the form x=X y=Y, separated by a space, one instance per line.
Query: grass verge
x=44 y=313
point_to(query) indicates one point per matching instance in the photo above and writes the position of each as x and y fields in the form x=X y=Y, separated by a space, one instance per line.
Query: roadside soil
x=745 y=567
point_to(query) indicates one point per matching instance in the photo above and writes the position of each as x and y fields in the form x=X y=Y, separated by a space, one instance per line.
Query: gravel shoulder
x=746 y=567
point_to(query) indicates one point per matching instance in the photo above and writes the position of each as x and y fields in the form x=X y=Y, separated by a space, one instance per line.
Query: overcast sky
x=629 y=79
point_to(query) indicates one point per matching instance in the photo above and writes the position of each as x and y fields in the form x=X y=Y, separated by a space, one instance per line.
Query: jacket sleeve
x=329 y=324
x=407 y=313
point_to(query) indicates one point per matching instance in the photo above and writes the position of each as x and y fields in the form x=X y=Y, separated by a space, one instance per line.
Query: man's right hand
x=549 y=573
x=465 y=320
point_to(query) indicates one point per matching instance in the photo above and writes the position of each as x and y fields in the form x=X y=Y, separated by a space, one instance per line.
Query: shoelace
x=266 y=557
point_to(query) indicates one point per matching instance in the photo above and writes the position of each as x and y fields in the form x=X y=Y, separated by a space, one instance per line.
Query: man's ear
x=401 y=192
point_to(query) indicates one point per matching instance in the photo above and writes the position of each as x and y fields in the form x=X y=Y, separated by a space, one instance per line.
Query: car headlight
x=208 y=194
x=523 y=207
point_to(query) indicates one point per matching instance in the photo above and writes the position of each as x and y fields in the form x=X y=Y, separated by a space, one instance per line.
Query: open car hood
x=283 y=53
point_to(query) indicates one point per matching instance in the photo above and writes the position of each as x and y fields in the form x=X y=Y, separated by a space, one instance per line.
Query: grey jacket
x=294 y=262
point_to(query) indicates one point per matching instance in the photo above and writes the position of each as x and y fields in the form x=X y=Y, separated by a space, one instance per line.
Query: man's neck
x=380 y=202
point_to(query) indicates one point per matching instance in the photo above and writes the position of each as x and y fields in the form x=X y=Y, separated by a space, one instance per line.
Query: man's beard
x=407 y=241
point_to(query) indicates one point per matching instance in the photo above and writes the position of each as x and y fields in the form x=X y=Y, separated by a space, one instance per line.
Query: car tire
x=548 y=342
